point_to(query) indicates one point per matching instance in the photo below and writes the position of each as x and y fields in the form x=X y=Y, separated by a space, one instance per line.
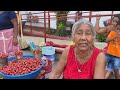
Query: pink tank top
x=71 y=70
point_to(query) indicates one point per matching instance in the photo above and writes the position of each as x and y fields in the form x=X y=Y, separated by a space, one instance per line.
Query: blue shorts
x=113 y=62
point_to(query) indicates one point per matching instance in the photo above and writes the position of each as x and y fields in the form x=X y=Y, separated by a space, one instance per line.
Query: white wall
x=53 y=21
x=41 y=15
x=93 y=20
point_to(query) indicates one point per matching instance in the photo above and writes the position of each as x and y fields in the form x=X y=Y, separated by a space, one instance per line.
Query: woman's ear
x=72 y=37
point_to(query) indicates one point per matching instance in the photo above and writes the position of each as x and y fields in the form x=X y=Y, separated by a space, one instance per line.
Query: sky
x=72 y=13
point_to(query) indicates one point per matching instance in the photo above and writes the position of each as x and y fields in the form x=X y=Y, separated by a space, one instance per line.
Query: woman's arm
x=114 y=37
x=110 y=39
x=97 y=28
x=15 y=28
x=60 y=65
x=15 y=31
x=100 y=65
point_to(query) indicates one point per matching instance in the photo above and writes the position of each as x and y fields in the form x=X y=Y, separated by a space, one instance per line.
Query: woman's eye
x=88 y=33
x=79 y=33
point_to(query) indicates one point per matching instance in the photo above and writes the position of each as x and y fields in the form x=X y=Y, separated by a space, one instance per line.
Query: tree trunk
x=60 y=17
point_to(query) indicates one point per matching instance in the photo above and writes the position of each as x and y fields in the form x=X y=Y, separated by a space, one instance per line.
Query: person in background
x=8 y=32
x=109 y=27
x=82 y=60
x=103 y=30
x=29 y=17
x=113 y=51
x=23 y=24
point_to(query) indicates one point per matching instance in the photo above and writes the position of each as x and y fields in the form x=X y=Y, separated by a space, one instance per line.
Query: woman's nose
x=83 y=36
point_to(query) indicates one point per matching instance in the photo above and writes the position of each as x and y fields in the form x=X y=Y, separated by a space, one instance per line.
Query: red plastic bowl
x=48 y=67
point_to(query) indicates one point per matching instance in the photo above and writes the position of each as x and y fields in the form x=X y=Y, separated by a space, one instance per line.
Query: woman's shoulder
x=98 y=54
x=97 y=50
x=9 y=13
x=6 y=12
x=65 y=53
x=68 y=48
x=100 y=57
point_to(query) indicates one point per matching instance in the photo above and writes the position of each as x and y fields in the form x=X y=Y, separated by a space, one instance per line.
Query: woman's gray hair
x=80 y=22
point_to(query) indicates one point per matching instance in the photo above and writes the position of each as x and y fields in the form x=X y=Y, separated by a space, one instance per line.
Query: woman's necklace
x=80 y=69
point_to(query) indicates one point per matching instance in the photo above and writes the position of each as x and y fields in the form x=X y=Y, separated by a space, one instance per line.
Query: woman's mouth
x=83 y=44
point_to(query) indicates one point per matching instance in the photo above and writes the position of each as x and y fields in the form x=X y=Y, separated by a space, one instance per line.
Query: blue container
x=50 y=57
x=49 y=52
x=31 y=75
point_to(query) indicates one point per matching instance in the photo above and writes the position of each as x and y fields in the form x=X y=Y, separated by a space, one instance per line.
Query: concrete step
x=99 y=45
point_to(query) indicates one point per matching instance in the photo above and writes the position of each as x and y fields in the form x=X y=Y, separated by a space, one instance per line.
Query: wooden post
x=30 y=21
x=45 y=26
x=77 y=16
x=111 y=17
x=90 y=16
x=48 y=22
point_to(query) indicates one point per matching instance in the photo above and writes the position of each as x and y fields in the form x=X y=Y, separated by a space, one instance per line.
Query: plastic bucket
x=3 y=61
x=47 y=66
x=31 y=75
x=49 y=53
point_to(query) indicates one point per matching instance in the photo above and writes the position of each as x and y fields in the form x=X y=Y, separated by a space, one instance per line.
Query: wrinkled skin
x=83 y=38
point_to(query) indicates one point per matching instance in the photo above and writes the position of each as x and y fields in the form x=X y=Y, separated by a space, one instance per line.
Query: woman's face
x=115 y=21
x=83 y=37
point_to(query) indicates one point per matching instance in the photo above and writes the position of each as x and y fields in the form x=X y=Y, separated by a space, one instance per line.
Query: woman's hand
x=98 y=17
x=15 y=41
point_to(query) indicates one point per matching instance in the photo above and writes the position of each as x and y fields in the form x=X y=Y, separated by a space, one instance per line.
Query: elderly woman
x=83 y=60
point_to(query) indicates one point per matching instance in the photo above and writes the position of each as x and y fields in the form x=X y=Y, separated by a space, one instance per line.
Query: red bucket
x=46 y=69
x=47 y=66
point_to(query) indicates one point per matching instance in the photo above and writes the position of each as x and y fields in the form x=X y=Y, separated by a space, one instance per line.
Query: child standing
x=113 y=53
x=107 y=29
